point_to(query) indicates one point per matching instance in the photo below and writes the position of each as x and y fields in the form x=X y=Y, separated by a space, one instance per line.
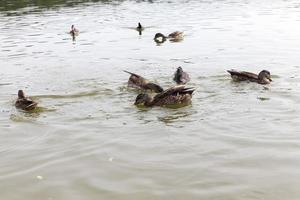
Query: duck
x=181 y=77
x=140 y=28
x=176 y=95
x=137 y=81
x=175 y=36
x=25 y=103
x=264 y=77
x=74 y=31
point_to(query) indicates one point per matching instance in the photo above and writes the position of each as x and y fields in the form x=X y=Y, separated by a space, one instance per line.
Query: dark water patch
x=19 y=55
x=179 y=115
x=5 y=84
x=75 y=95
x=35 y=6
x=263 y=98
x=87 y=44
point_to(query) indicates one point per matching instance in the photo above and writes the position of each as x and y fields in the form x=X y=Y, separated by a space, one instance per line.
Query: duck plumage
x=264 y=77
x=181 y=77
x=25 y=103
x=137 y=81
x=177 y=95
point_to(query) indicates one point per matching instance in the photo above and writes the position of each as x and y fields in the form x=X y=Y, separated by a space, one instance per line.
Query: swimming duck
x=140 y=28
x=74 y=31
x=137 y=81
x=177 y=95
x=181 y=77
x=25 y=103
x=264 y=77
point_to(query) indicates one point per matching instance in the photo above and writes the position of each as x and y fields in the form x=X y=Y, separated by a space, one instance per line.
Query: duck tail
x=130 y=72
x=189 y=90
x=232 y=71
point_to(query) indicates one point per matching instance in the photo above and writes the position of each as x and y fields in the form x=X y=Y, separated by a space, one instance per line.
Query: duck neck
x=21 y=95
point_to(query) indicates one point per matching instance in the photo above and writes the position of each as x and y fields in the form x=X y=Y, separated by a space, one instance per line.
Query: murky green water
x=88 y=140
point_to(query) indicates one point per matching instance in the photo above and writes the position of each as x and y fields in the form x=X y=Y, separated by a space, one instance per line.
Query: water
x=88 y=141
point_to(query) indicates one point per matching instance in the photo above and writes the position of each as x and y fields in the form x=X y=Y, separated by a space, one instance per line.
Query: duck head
x=142 y=100
x=179 y=71
x=21 y=94
x=178 y=75
x=139 y=26
x=264 y=76
x=160 y=38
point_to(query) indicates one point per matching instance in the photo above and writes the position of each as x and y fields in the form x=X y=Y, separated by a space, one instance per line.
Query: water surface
x=237 y=141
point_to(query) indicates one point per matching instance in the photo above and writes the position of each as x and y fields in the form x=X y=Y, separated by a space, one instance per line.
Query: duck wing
x=175 y=95
x=173 y=91
x=133 y=74
x=175 y=34
x=242 y=75
x=26 y=104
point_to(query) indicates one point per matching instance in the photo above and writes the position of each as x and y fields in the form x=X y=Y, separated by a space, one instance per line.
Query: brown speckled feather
x=136 y=80
x=175 y=34
x=174 y=95
x=25 y=104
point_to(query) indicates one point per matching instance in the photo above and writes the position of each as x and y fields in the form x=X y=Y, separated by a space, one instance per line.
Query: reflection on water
x=13 y=5
x=179 y=115
x=87 y=140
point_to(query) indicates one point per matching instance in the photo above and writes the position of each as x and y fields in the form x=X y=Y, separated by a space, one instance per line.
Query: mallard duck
x=264 y=77
x=137 y=81
x=25 y=103
x=181 y=77
x=177 y=95
x=74 y=31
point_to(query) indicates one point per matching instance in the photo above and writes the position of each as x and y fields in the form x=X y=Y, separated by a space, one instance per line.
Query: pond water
x=87 y=140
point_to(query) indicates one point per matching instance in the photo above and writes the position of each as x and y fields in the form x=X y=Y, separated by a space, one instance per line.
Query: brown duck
x=25 y=103
x=181 y=77
x=137 y=81
x=264 y=77
x=177 y=95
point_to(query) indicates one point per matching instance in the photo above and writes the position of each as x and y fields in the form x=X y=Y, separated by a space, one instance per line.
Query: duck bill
x=138 y=104
x=270 y=79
